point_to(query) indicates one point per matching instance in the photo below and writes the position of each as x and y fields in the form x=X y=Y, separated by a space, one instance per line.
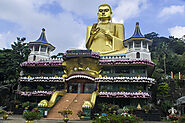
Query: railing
x=93 y=98
x=41 y=79
x=126 y=62
x=125 y=94
x=52 y=101
x=35 y=93
x=90 y=104
x=42 y=63
x=125 y=74
x=113 y=57
x=126 y=79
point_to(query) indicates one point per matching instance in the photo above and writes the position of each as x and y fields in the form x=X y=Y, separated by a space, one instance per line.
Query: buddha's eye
x=106 y=10
x=101 y=10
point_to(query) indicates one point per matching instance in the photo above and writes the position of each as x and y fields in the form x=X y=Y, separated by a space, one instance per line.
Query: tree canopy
x=10 y=60
x=167 y=53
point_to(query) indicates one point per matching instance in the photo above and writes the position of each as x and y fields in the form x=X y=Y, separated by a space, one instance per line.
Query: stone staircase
x=72 y=101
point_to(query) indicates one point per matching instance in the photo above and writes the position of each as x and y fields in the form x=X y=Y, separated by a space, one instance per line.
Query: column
x=47 y=51
x=33 y=50
x=39 y=48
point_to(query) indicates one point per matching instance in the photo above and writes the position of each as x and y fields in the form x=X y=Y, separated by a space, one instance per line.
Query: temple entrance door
x=74 y=88
x=81 y=86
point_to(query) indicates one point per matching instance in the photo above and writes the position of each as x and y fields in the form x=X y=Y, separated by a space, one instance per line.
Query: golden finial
x=43 y=30
x=137 y=24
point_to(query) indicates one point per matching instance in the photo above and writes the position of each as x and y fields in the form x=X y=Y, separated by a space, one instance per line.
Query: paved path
x=19 y=119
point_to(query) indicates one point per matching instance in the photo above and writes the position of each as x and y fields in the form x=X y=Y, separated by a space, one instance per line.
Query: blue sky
x=66 y=21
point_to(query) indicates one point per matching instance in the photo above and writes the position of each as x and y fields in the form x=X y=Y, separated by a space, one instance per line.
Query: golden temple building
x=111 y=70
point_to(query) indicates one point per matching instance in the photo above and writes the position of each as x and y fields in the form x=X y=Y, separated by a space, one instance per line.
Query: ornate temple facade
x=80 y=79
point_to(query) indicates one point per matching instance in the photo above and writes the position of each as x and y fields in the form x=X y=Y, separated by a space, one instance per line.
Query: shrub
x=26 y=104
x=113 y=118
x=32 y=115
x=131 y=109
x=120 y=111
x=173 y=117
x=25 y=88
x=40 y=88
x=182 y=119
x=165 y=105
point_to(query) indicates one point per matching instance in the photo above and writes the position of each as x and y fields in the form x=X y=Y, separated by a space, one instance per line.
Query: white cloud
x=177 y=31
x=63 y=30
x=128 y=9
x=87 y=8
x=66 y=29
x=6 y=39
x=171 y=10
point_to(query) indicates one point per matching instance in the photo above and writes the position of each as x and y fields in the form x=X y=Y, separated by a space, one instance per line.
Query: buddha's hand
x=107 y=33
x=94 y=29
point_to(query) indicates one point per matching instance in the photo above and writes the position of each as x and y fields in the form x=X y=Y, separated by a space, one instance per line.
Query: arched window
x=137 y=55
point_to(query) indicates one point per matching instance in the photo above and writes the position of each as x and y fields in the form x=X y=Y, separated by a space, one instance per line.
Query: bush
x=40 y=88
x=165 y=105
x=182 y=119
x=113 y=118
x=32 y=115
x=131 y=109
x=25 y=88
x=173 y=117
x=26 y=104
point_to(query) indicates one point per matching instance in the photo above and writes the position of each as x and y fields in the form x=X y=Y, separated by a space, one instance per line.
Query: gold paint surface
x=82 y=64
x=52 y=101
x=104 y=36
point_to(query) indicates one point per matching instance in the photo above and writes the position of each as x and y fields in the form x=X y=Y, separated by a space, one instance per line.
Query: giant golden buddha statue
x=104 y=36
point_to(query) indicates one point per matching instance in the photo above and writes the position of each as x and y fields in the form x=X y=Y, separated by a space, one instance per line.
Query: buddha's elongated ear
x=98 y=17
x=111 y=17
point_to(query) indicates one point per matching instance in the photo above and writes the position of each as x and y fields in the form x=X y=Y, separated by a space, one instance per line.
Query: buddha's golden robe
x=107 y=44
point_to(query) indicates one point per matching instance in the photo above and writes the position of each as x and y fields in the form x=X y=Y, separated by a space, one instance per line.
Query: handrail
x=52 y=101
x=91 y=103
x=93 y=98
x=54 y=97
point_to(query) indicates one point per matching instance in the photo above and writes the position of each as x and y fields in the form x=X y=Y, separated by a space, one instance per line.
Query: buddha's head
x=104 y=12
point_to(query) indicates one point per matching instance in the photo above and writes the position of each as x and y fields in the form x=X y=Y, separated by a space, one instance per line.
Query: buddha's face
x=104 y=12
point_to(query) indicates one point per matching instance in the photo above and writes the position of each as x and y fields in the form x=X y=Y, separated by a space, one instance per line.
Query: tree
x=163 y=90
x=10 y=60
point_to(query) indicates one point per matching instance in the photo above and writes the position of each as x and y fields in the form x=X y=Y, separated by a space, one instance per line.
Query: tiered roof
x=42 y=40
x=137 y=35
